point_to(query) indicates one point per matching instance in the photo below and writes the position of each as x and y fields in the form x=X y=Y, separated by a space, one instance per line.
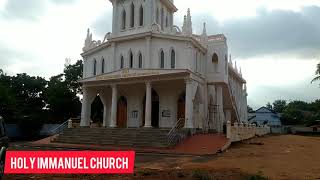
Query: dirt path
x=276 y=157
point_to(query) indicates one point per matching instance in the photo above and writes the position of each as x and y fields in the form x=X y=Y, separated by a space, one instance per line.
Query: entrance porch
x=135 y=99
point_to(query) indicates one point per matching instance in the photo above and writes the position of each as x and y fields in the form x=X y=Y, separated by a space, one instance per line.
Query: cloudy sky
x=276 y=42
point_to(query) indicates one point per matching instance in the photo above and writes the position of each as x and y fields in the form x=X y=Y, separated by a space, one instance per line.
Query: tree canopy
x=317 y=78
x=297 y=112
x=31 y=97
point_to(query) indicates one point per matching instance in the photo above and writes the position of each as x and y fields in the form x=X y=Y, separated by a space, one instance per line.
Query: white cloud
x=270 y=78
x=234 y=9
x=58 y=34
x=40 y=47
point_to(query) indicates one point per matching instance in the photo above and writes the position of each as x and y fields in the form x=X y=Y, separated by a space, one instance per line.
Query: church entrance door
x=154 y=110
x=122 y=113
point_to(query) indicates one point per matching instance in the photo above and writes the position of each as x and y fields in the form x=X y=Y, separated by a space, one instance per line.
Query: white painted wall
x=190 y=52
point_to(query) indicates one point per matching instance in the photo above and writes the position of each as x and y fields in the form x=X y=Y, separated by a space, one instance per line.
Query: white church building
x=150 y=73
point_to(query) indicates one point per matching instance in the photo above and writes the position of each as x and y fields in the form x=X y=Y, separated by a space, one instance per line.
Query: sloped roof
x=270 y=110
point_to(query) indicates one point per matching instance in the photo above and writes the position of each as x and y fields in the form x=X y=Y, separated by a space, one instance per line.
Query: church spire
x=184 y=26
x=189 y=23
x=204 y=36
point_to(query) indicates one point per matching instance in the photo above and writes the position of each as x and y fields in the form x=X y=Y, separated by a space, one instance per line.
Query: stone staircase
x=131 y=137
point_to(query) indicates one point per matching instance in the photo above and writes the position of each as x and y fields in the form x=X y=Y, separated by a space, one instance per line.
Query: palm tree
x=317 y=78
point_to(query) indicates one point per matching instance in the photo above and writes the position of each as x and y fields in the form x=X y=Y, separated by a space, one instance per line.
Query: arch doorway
x=122 y=112
x=154 y=109
x=181 y=107
x=97 y=111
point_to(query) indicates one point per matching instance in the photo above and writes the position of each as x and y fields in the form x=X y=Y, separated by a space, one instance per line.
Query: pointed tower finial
x=235 y=66
x=184 y=26
x=204 y=36
x=189 y=23
x=204 y=31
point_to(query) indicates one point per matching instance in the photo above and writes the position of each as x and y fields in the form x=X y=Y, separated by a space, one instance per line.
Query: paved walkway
x=201 y=144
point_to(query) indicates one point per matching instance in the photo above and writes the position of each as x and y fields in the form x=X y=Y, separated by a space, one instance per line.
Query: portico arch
x=97 y=111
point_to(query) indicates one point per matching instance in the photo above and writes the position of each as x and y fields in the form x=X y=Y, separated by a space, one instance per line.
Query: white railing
x=240 y=131
x=61 y=127
x=173 y=135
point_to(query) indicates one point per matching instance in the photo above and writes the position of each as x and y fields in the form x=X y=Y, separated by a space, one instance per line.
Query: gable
x=264 y=110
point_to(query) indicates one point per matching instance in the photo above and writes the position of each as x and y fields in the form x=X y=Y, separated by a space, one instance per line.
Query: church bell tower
x=137 y=16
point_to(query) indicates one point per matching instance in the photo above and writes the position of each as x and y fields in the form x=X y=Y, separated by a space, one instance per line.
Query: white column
x=220 y=108
x=104 y=102
x=228 y=115
x=148 y=108
x=86 y=108
x=189 y=105
x=113 y=121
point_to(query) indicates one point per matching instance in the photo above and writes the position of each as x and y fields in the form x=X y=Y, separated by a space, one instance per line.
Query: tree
x=279 y=105
x=7 y=98
x=269 y=106
x=62 y=102
x=317 y=78
x=28 y=92
x=250 y=110
x=61 y=93
x=72 y=74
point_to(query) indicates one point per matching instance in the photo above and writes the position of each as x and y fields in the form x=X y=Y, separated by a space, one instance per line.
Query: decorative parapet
x=90 y=44
x=239 y=132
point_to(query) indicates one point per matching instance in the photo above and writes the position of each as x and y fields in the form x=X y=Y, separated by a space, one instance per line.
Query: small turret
x=189 y=23
x=88 y=41
x=184 y=26
x=204 y=36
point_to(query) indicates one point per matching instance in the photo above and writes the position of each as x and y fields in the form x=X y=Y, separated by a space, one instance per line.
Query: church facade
x=150 y=73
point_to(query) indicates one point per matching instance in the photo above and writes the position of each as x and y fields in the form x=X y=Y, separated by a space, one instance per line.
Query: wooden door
x=122 y=113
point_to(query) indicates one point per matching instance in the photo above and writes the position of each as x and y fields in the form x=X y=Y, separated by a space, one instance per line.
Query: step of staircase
x=131 y=137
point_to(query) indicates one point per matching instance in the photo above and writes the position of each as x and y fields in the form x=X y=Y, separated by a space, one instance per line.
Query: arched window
x=132 y=15
x=215 y=58
x=162 y=59
x=102 y=65
x=157 y=15
x=94 y=67
x=162 y=15
x=173 y=59
x=215 y=61
x=121 y=62
x=130 y=59
x=124 y=17
x=140 y=60
x=141 y=16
